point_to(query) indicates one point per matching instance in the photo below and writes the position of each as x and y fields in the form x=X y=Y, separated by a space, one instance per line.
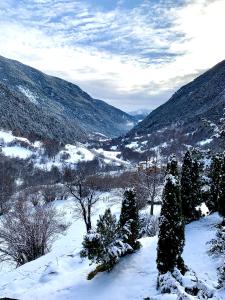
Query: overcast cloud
x=131 y=53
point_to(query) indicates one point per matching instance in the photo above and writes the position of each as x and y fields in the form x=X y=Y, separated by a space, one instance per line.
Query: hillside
x=182 y=114
x=61 y=274
x=49 y=107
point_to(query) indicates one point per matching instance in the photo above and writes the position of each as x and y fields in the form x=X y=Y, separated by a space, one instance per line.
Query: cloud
x=131 y=56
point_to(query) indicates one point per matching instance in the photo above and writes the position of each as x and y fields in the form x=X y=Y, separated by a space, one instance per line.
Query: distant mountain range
x=181 y=118
x=140 y=114
x=33 y=103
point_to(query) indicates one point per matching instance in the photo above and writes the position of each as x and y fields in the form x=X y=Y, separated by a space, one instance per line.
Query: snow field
x=61 y=274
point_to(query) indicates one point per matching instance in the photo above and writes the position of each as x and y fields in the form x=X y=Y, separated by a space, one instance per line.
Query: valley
x=92 y=199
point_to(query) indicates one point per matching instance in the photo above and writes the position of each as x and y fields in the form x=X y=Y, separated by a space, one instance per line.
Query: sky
x=132 y=54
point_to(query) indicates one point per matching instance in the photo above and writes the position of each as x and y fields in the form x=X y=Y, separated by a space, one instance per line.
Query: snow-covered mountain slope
x=181 y=117
x=13 y=146
x=49 y=107
x=61 y=274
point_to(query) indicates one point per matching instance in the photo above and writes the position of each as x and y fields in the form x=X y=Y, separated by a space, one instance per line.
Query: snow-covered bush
x=104 y=245
x=221 y=273
x=217 y=245
x=186 y=287
x=27 y=232
x=217 y=248
x=149 y=225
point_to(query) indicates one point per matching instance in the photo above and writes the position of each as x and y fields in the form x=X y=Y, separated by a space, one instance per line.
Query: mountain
x=182 y=115
x=140 y=114
x=33 y=103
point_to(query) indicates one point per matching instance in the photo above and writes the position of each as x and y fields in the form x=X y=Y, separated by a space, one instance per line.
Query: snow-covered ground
x=62 y=274
x=71 y=154
x=29 y=94
x=17 y=151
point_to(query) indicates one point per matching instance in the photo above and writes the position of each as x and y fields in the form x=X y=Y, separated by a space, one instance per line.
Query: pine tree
x=186 y=187
x=221 y=197
x=104 y=244
x=190 y=188
x=129 y=220
x=171 y=231
x=196 y=189
x=212 y=203
x=172 y=166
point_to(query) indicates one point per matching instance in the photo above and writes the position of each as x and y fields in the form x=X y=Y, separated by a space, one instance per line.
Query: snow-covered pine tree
x=217 y=245
x=221 y=197
x=172 y=167
x=217 y=248
x=129 y=220
x=214 y=175
x=221 y=274
x=186 y=188
x=171 y=231
x=103 y=245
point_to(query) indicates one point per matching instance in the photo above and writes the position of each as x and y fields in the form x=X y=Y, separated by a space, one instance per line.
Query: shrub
x=27 y=232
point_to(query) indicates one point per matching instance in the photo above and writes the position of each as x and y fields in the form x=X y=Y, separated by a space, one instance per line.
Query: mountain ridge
x=202 y=98
x=74 y=112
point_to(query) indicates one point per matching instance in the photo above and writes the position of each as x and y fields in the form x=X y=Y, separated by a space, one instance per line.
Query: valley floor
x=61 y=274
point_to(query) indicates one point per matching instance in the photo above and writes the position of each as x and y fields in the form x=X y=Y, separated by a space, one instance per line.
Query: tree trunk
x=89 y=218
x=152 y=207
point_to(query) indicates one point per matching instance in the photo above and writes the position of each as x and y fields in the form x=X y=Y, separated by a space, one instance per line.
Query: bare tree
x=147 y=182
x=83 y=189
x=27 y=232
x=53 y=192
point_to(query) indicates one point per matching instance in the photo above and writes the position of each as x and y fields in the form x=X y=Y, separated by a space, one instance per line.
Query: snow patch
x=30 y=95
x=78 y=153
x=205 y=142
x=132 y=145
x=16 y=151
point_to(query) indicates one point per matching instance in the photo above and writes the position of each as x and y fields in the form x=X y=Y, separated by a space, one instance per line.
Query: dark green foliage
x=186 y=188
x=97 y=243
x=172 y=166
x=171 y=231
x=214 y=175
x=196 y=183
x=107 y=228
x=221 y=197
x=196 y=188
x=190 y=188
x=92 y=246
x=110 y=240
x=129 y=220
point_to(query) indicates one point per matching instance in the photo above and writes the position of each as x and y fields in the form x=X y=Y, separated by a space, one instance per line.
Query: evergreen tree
x=212 y=203
x=172 y=167
x=171 y=231
x=190 y=188
x=196 y=189
x=186 y=188
x=221 y=197
x=104 y=245
x=129 y=220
